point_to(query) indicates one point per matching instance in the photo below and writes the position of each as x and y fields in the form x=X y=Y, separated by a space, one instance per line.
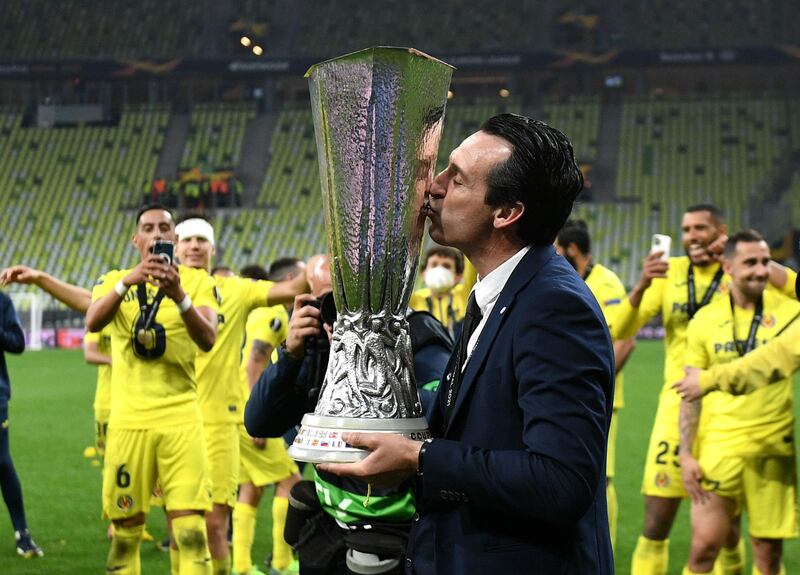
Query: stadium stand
x=215 y=136
x=62 y=189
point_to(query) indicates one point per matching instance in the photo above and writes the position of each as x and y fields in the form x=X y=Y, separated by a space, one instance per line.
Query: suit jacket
x=516 y=481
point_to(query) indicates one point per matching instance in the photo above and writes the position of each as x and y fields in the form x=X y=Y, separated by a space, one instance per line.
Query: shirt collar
x=488 y=289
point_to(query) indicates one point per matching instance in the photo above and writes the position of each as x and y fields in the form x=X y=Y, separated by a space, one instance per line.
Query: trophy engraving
x=378 y=117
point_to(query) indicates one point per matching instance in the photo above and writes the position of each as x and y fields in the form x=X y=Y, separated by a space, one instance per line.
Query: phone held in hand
x=661 y=243
x=165 y=249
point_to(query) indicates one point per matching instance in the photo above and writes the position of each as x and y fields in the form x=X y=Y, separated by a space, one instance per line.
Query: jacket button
x=408 y=561
x=416 y=516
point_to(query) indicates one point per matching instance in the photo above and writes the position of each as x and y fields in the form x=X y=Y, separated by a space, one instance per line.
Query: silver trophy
x=378 y=117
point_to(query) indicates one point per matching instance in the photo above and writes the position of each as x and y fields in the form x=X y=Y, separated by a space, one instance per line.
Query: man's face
x=195 y=252
x=749 y=269
x=698 y=230
x=153 y=225
x=458 y=212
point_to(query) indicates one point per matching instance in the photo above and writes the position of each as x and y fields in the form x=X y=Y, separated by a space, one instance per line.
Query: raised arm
x=73 y=296
x=644 y=300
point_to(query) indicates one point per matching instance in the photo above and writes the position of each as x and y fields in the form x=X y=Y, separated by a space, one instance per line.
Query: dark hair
x=541 y=174
x=444 y=252
x=216 y=269
x=716 y=213
x=254 y=271
x=280 y=267
x=150 y=207
x=575 y=232
x=193 y=216
x=743 y=236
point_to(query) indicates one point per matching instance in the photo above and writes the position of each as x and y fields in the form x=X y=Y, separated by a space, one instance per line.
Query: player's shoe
x=146 y=535
x=26 y=546
x=163 y=545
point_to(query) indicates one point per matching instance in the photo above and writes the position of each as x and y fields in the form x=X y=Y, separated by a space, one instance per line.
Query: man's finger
x=366 y=440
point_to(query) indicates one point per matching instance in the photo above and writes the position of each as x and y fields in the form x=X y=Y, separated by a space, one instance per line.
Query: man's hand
x=652 y=267
x=692 y=478
x=155 y=270
x=716 y=248
x=19 y=274
x=689 y=387
x=305 y=323
x=392 y=460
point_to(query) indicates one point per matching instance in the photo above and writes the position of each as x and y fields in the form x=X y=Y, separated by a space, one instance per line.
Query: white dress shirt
x=487 y=290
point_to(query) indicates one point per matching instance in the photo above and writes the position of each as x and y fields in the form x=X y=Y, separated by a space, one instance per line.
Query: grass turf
x=51 y=424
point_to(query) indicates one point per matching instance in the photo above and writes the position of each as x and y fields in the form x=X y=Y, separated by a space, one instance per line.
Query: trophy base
x=320 y=437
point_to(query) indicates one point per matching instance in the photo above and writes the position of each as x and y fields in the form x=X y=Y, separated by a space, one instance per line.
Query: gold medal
x=145 y=337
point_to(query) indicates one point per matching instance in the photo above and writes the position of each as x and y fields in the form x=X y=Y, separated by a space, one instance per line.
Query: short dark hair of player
x=150 y=207
x=716 y=213
x=282 y=266
x=254 y=272
x=541 y=174
x=444 y=252
x=745 y=236
x=575 y=232
x=193 y=216
x=217 y=269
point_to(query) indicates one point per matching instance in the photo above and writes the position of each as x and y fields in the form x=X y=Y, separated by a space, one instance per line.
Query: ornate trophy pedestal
x=320 y=438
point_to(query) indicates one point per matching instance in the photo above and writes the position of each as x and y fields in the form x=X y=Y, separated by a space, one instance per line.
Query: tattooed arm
x=690 y=468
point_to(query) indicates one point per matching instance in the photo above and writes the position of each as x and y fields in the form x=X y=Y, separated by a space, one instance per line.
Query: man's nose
x=439 y=185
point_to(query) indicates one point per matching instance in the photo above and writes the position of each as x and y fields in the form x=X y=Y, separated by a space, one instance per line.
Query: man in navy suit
x=514 y=479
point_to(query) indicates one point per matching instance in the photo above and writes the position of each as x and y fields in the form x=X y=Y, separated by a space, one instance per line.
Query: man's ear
x=508 y=215
x=726 y=265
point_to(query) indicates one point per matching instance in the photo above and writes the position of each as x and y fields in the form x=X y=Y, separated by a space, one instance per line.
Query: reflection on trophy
x=378 y=119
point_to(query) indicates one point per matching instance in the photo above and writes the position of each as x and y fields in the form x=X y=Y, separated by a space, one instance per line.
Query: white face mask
x=439 y=279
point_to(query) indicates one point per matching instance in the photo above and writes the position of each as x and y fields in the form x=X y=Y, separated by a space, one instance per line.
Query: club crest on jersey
x=662 y=479
x=276 y=324
x=768 y=321
x=125 y=502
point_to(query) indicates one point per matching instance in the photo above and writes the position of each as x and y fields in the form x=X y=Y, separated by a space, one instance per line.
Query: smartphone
x=661 y=243
x=165 y=249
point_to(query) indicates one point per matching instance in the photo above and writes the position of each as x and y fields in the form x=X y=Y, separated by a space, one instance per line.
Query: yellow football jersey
x=102 y=392
x=154 y=386
x=218 y=386
x=761 y=367
x=670 y=297
x=609 y=292
x=448 y=309
x=267 y=324
x=759 y=423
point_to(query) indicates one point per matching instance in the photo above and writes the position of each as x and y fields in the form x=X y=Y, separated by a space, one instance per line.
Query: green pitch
x=51 y=425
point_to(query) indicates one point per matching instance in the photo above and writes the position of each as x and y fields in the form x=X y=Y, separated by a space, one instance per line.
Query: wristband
x=421 y=456
x=121 y=288
x=184 y=304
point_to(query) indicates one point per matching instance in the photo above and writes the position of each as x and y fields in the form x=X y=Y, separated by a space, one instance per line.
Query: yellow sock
x=281 y=550
x=174 y=561
x=221 y=566
x=730 y=561
x=190 y=535
x=123 y=557
x=613 y=511
x=650 y=557
x=244 y=530
x=687 y=571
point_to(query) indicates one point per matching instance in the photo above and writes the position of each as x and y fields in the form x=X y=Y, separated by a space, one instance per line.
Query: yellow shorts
x=175 y=455
x=766 y=487
x=611 y=457
x=662 y=469
x=264 y=466
x=222 y=447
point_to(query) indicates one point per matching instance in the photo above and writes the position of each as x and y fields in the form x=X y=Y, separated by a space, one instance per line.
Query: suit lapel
x=520 y=277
